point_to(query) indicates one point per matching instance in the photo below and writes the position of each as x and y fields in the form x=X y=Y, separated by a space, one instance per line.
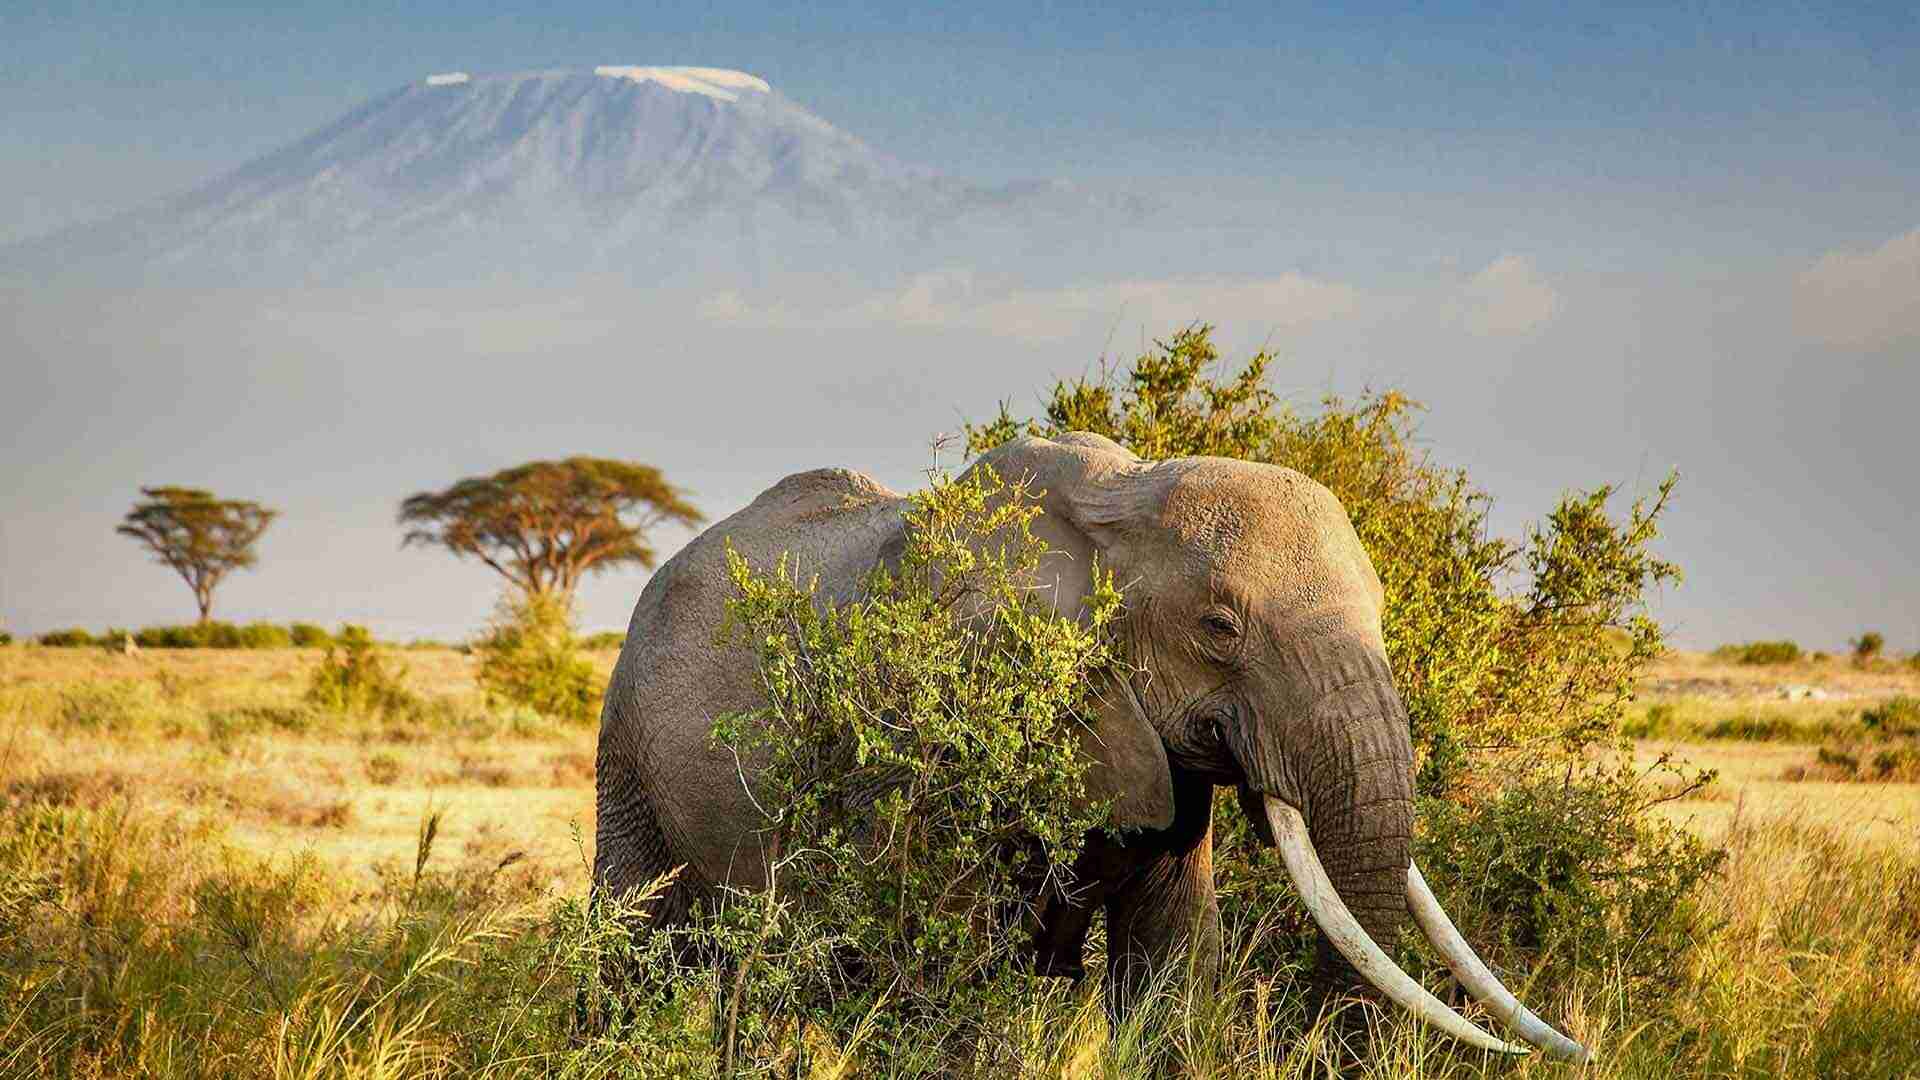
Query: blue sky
x=1805 y=111
x=1600 y=243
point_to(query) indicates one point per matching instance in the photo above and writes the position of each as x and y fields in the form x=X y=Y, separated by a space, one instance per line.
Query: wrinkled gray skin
x=1252 y=614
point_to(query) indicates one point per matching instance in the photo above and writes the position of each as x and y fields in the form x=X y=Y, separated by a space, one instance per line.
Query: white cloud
x=1510 y=296
x=1862 y=299
x=957 y=299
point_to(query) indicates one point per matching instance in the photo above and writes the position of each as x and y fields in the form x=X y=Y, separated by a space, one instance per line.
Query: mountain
x=647 y=171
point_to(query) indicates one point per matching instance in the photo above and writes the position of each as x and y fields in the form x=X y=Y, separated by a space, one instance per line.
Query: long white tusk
x=1341 y=928
x=1479 y=981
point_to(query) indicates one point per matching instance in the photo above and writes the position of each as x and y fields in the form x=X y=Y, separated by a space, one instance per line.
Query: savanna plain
x=203 y=873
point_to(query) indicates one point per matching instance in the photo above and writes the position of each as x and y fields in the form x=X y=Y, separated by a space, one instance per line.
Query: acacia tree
x=201 y=537
x=545 y=525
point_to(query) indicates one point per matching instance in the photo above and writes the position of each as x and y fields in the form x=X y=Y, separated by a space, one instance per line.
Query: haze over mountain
x=648 y=172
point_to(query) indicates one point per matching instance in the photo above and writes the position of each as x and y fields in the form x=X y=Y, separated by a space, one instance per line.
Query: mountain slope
x=647 y=170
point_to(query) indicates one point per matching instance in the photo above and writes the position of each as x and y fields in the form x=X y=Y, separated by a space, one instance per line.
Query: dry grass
x=223 y=735
x=1698 y=673
x=213 y=882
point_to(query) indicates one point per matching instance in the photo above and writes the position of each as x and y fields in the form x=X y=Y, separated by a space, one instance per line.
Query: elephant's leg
x=1059 y=944
x=1164 y=912
x=632 y=854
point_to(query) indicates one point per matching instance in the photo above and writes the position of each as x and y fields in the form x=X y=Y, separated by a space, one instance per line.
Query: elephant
x=1252 y=630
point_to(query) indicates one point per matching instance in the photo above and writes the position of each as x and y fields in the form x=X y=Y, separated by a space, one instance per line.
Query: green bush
x=265 y=635
x=1753 y=727
x=1516 y=659
x=5 y=638
x=162 y=637
x=1499 y=647
x=1855 y=759
x=355 y=677
x=305 y=635
x=66 y=639
x=529 y=657
x=1759 y=652
x=922 y=781
x=1898 y=715
x=1657 y=721
x=1897 y=764
x=227 y=724
x=111 y=707
x=1866 y=647
x=1559 y=874
x=215 y=635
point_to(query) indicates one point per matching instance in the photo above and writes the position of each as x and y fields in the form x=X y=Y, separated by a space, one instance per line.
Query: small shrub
x=572 y=768
x=214 y=634
x=1893 y=717
x=1866 y=647
x=1751 y=727
x=382 y=769
x=264 y=635
x=66 y=639
x=529 y=657
x=1897 y=764
x=354 y=677
x=306 y=635
x=1841 y=757
x=1657 y=721
x=5 y=638
x=1848 y=760
x=112 y=707
x=330 y=814
x=1759 y=652
x=88 y=789
x=227 y=724
x=605 y=639
x=162 y=637
x=485 y=771
x=1572 y=874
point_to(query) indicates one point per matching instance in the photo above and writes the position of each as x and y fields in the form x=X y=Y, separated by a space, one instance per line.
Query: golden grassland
x=194 y=733
x=202 y=876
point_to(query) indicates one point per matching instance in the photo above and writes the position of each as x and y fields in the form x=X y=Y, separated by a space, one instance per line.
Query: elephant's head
x=1253 y=621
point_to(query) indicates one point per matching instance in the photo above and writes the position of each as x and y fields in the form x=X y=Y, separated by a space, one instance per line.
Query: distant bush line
x=1760 y=652
x=255 y=635
x=207 y=635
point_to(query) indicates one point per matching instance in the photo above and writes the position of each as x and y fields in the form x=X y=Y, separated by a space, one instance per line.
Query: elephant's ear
x=1089 y=483
x=1129 y=767
x=1091 y=487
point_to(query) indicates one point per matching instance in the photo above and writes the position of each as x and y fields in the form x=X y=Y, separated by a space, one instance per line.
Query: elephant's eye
x=1221 y=625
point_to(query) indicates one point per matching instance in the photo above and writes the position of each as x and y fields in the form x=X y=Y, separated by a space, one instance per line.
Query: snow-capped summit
x=720 y=83
x=619 y=167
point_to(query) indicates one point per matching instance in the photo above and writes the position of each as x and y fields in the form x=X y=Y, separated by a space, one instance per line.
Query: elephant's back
x=673 y=678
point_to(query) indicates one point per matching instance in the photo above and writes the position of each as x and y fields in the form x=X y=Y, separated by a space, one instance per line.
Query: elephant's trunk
x=1357 y=795
x=1347 y=849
